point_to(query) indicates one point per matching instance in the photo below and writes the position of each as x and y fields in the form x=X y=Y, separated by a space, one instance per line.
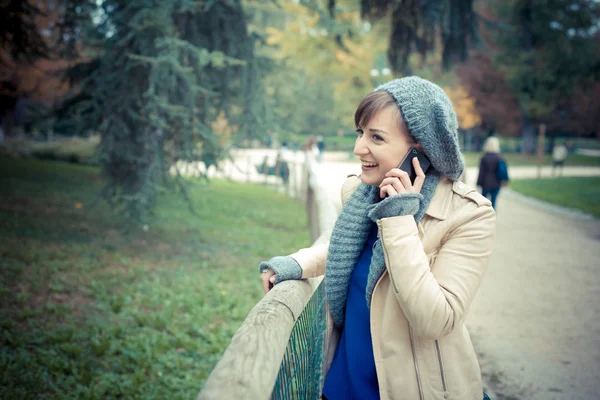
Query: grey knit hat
x=431 y=119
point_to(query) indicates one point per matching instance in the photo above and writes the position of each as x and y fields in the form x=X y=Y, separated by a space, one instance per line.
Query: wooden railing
x=249 y=366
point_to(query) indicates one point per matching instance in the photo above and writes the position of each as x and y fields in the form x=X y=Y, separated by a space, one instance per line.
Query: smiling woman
x=383 y=137
x=405 y=258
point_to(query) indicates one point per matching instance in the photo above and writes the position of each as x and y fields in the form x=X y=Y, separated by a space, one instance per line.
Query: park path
x=536 y=320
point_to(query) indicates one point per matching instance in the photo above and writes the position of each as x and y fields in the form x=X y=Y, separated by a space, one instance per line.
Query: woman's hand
x=268 y=278
x=397 y=181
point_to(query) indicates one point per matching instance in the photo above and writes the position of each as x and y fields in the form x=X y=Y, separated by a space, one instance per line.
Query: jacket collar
x=439 y=207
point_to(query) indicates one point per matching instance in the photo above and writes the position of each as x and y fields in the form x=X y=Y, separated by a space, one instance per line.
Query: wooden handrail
x=250 y=364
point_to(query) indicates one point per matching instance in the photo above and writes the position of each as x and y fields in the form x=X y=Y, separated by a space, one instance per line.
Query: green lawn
x=86 y=312
x=579 y=193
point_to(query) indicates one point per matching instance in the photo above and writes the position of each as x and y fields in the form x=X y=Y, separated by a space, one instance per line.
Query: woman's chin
x=369 y=180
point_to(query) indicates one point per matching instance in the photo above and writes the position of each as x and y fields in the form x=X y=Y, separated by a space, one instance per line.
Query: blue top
x=352 y=374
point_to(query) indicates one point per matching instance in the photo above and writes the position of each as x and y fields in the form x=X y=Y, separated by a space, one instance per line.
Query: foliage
x=20 y=40
x=425 y=27
x=578 y=193
x=317 y=83
x=89 y=313
x=165 y=72
x=493 y=99
x=541 y=55
x=544 y=53
x=21 y=46
x=464 y=105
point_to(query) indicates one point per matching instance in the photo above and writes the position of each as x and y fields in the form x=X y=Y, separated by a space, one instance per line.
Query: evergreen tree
x=163 y=73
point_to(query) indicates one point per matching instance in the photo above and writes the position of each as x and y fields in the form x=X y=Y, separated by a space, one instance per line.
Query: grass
x=86 y=312
x=579 y=193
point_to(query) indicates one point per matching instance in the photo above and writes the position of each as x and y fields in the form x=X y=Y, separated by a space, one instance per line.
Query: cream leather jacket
x=422 y=348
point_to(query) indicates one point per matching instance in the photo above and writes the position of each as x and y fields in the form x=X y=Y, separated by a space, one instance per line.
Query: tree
x=494 y=102
x=163 y=73
x=422 y=27
x=545 y=50
x=21 y=44
x=317 y=84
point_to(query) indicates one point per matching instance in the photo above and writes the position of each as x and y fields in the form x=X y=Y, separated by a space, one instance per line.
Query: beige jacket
x=422 y=348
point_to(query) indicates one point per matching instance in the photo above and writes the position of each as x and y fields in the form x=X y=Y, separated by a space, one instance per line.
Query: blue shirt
x=352 y=374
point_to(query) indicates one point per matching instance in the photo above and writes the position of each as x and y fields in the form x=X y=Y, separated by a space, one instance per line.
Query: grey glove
x=285 y=268
x=396 y=205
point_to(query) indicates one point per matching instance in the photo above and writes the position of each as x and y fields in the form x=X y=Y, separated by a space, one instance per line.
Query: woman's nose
x=360 y=149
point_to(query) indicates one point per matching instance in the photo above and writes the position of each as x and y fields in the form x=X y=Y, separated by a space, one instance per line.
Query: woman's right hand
x=268 y=279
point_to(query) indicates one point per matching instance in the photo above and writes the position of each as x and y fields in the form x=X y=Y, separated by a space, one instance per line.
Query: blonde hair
x=491 y=145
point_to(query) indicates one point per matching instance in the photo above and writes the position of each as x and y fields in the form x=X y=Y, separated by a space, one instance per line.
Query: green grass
x=579 y=193
x=86 y=312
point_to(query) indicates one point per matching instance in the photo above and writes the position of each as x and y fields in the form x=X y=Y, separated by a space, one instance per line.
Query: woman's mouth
x=367 y=166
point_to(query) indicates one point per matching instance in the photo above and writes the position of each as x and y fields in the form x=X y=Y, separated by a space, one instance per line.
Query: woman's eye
x=376 y=137
x=359 y=132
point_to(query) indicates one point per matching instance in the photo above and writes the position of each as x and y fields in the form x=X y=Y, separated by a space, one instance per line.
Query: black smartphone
x=406 y=164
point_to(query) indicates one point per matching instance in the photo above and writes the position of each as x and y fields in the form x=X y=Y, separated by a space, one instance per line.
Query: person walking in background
x=559 y=154
x=320 y=147
x=493 y=171
x=310 y=148
x=405 y=258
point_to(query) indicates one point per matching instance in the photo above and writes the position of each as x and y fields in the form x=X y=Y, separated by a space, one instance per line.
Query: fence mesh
x=301 y=372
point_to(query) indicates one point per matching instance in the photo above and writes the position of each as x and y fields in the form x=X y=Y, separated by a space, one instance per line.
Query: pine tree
x=164 y=72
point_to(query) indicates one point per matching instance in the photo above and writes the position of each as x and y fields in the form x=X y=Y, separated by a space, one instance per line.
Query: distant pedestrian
x=559 y=154
x=493 y=171
x=310 y=147
x=320 y=147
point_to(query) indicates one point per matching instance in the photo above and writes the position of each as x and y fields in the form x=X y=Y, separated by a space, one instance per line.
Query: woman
x=493 y=172
x=404 y=260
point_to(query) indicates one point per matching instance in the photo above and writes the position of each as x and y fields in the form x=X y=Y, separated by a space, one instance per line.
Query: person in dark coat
x=493 y=172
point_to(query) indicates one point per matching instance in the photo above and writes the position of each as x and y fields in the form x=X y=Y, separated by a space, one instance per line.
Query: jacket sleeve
x=435 y=299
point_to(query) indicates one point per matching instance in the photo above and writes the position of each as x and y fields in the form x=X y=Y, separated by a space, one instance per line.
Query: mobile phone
x=406 y=164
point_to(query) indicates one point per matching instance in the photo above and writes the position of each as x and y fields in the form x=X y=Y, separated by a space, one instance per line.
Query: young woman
x=405 y=258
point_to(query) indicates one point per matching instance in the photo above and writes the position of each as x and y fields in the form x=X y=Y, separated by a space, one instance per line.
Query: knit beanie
x=430 y=118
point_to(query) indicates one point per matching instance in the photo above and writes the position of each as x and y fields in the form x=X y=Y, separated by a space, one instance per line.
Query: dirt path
x=535 y=320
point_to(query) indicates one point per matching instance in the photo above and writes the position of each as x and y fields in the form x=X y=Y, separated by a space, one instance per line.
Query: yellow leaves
x=223 y=129
x=79 y=205
x=274 y=36
x=464 y=105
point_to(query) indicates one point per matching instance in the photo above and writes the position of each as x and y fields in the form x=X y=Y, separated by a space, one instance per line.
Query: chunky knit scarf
x=348 y=238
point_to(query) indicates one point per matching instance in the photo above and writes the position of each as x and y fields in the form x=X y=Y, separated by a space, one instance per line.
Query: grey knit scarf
x=348 y=238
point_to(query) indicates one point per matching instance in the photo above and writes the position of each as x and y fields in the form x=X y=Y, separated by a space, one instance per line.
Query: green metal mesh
x=301 y=372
